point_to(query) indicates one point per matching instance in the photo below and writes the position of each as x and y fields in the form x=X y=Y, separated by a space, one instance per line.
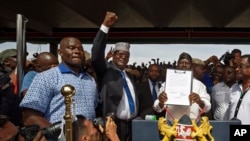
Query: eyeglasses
x=241 y=66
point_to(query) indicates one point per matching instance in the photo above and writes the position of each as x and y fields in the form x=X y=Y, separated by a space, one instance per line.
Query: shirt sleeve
x=39 y=93
x=205 y=97
x=27 y=80
x=157 y=108
x=104 y=28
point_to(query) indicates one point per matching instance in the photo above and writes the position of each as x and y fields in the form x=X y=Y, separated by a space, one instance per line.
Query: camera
x=51 y=132
x=35 y=55
x=101 y=121
x=225 y=58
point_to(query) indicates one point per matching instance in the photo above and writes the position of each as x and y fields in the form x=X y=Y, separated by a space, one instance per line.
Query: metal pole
x=21 y=49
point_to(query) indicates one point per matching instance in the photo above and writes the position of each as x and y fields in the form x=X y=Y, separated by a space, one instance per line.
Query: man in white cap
x=116 y=87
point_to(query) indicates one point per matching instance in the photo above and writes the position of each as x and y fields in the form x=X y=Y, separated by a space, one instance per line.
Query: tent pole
x=21 y=50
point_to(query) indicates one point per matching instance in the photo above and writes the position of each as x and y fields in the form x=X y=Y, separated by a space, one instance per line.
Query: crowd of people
x=106 y=83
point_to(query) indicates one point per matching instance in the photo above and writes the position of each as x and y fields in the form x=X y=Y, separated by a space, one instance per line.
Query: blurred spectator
x=9 y=102
x=8 y=59
x=8 y=131
x=221 y=94
x=88 y=66
x=240 y=94
x=235 y=57
x=149 y=90
x=44 y=61
x=135 y=72
x=109 y=54
x=198 y=69
x=217 y=74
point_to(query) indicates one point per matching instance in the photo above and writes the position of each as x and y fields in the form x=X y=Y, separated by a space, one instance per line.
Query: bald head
x=68 y=41
x=45 y=60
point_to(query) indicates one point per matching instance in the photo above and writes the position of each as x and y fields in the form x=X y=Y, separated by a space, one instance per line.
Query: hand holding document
x=178 y=86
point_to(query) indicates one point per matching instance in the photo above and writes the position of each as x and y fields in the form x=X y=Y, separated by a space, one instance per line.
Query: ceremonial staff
x=68 y=91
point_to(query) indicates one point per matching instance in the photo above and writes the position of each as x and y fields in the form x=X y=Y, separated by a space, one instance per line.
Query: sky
x=145 y=52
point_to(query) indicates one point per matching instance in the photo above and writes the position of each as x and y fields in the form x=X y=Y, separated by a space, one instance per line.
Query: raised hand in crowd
x=110 y=19
x=111 y=130
x=109 y=54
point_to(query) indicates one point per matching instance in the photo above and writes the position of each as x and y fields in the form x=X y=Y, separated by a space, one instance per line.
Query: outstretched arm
x=99 y=44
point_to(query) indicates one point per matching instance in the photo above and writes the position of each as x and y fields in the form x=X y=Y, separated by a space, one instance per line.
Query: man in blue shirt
x=43 y=103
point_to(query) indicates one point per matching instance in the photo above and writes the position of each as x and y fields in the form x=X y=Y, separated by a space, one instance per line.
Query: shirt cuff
x=104 y=28
x=157 y=108
x=207 y=106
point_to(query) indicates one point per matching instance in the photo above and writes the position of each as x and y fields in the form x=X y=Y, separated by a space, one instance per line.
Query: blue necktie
x=154 y=91
x=130 y=98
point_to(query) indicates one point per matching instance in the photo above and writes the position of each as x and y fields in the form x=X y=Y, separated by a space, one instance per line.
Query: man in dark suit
x=149 y=91
x=114 y=95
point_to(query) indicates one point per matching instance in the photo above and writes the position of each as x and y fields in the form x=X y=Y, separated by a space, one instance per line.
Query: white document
x=178 y=86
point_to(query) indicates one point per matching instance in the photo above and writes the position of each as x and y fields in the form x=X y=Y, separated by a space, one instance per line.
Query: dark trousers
x=124 y=130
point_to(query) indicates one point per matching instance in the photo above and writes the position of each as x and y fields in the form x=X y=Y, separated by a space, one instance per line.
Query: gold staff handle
x=68 y=91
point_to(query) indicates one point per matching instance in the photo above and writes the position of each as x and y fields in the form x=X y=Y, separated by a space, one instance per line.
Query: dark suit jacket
x=108 y=76
x=146 y=100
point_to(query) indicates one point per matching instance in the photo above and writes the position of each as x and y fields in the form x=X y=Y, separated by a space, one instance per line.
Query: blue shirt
x=29 y=76
x=44 y=94
x=207 y=80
